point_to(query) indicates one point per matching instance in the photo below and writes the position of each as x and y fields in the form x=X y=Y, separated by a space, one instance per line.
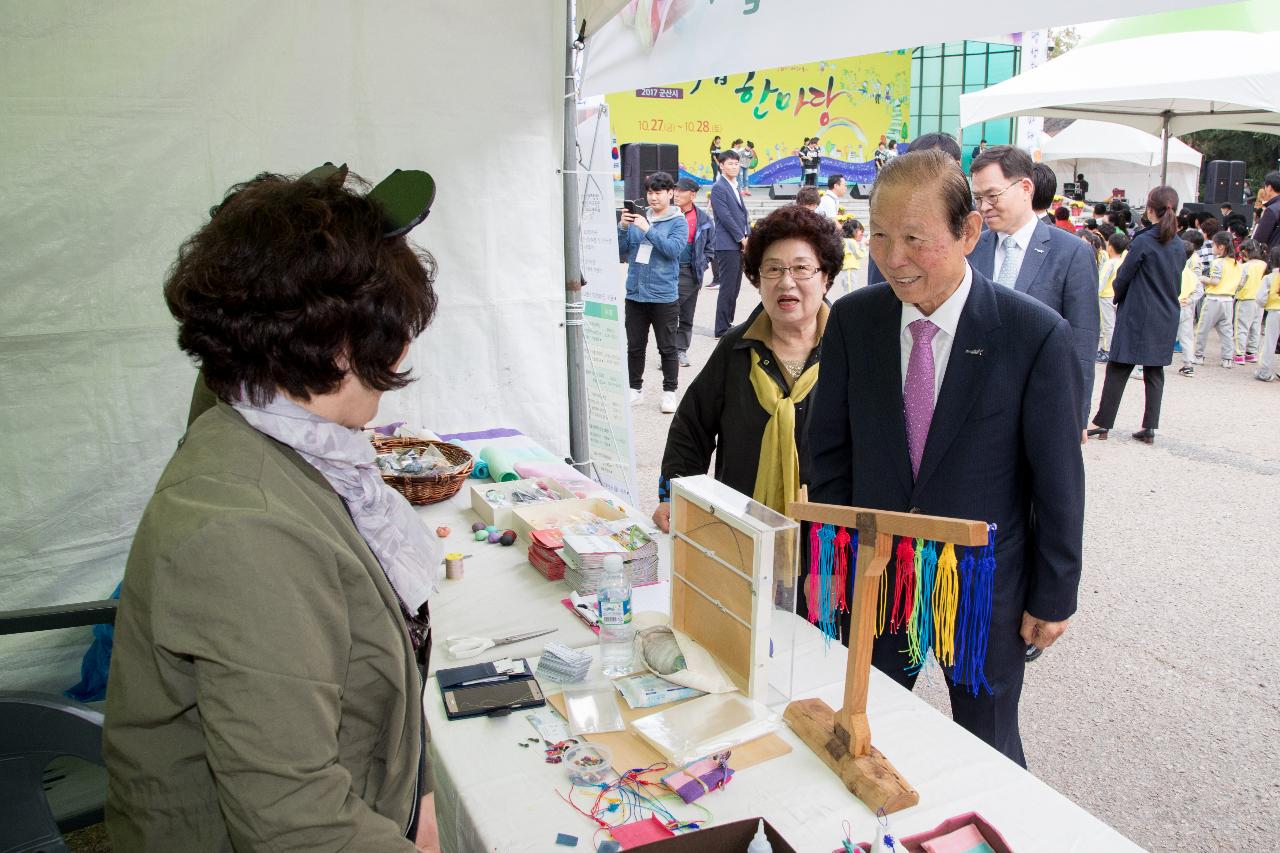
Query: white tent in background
x=1177 y=72
x=1118 y=156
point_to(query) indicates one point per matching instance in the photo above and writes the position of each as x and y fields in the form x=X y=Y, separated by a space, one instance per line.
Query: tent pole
x=1164 y=144
x=575 y=348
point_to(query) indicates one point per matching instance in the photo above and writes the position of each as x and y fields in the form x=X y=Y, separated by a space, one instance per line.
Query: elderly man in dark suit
x=1021 y=252
x=732 y=228
x=943 y=393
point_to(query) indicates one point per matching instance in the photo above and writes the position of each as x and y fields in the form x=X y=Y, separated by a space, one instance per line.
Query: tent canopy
x=1178 y=75
x=655 y=42
x=1100 y=140
x=1117 y=156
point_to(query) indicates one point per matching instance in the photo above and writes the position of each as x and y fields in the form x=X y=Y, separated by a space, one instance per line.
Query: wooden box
x=538 y=516
x=499 y=514
x=727 y=553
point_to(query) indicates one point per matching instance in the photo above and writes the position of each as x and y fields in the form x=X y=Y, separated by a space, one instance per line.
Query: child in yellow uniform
x=1219 y=298
x=854 y=252
x=1117 y=249
x=1271 y=331
x=1191 y=293
x=1248 y=311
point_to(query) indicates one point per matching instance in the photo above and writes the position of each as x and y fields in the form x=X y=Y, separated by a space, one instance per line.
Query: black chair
x=52 y=776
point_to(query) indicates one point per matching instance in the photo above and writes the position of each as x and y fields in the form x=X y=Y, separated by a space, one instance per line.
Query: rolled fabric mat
x=502 y=459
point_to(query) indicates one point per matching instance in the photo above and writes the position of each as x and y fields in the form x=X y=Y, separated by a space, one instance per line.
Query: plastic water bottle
x=616 y=631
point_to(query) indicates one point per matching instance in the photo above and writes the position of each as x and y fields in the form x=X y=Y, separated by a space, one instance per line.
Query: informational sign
x=1035 y=52
x=849 y=104
x=604 y=294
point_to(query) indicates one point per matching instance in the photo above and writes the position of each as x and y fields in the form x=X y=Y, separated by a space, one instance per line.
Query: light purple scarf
x=393 y=531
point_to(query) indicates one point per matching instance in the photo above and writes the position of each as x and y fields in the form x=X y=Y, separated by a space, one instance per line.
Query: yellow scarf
x=778 y=477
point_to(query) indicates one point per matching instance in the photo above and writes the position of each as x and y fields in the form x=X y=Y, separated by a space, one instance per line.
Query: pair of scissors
x=469 y=647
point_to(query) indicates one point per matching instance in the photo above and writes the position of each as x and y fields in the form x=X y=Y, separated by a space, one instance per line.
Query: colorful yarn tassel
x=813 y=581
x=977 y=582
x=945 y=599
x=826 y=610
x=840 y=574
x=920 y=629
x=904 y=586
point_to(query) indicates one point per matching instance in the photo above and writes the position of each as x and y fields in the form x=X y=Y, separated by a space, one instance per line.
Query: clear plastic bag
x=592 y=708
x=706 y=725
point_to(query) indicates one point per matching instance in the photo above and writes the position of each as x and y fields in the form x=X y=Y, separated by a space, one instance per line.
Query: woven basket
x=427 y=488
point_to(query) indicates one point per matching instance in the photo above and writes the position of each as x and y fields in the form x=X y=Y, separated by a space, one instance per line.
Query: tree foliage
x=1259 y=151
x=1061 y=40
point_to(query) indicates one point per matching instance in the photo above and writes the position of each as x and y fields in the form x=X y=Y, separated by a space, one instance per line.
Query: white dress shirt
x=1023 y=238
x=829 y=205
x=947 y=319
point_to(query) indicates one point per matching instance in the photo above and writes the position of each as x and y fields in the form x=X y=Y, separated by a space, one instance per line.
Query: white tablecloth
x=492 y=794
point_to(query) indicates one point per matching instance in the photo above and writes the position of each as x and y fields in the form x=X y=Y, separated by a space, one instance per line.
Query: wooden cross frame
x=843 y=739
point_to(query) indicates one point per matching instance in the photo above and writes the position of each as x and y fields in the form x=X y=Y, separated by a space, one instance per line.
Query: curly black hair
x=291 y=285
x=794 y=221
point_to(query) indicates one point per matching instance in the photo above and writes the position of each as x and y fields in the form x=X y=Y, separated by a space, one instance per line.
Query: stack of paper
x=563 y=664
x=544 y=553
x=584 y=555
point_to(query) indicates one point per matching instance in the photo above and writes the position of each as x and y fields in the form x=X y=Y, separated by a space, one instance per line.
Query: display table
x=493 y=794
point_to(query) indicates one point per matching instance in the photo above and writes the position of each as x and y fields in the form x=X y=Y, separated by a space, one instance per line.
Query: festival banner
x=849 y=104
x=603 y=293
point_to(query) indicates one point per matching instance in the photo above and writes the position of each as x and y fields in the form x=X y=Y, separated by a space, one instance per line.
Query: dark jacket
x=1147 y=287
x=720 y=414
x=732 y=223
x=998 y=448
x=704 y=230
x=1060 y=270
x=1267 y=231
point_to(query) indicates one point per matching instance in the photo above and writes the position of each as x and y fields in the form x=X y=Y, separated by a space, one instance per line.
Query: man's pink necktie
x=917 y=393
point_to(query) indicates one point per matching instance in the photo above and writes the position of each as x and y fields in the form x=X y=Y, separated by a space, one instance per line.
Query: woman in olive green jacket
x=264 y=693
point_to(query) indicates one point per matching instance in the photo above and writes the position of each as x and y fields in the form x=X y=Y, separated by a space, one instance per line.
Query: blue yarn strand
x=826 y=566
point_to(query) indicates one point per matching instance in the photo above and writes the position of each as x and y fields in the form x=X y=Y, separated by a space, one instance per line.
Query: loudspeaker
x=642 y=159
x=1235 y=189
x=1217 y=179
x=784 y=192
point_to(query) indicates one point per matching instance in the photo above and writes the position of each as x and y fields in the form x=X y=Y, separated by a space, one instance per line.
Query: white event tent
x=1171 y=74
x=122 y=123
x=1118 y=156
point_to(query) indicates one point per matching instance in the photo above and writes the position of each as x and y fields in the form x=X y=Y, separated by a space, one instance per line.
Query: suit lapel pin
x=973 y=352
x=1038 y=249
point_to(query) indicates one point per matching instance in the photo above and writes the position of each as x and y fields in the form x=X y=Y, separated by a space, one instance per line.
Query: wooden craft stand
x=727 y=552
x=843 y=739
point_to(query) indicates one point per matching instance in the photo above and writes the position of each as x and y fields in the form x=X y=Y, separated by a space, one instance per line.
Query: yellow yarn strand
x=946 y=599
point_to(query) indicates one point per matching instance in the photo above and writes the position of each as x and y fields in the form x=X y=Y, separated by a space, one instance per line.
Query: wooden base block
x=870 y=778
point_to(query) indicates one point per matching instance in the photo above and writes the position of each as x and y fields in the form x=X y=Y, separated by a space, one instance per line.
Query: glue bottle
x=616 y=631
x=760 y=844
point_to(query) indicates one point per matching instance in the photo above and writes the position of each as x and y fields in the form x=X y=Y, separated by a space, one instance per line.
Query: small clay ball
x=508 y=537
x=492 y=528
x=477 y=527
x=482 y=535
x=443 y=531
x=494 y=537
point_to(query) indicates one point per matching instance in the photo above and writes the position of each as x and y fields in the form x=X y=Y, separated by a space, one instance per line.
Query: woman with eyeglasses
x=749 y=404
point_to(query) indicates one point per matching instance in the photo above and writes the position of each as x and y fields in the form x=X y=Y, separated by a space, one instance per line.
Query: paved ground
x=1158 y=709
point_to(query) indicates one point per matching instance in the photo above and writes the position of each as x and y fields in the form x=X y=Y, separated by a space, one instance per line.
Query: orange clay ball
x=442 y=531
